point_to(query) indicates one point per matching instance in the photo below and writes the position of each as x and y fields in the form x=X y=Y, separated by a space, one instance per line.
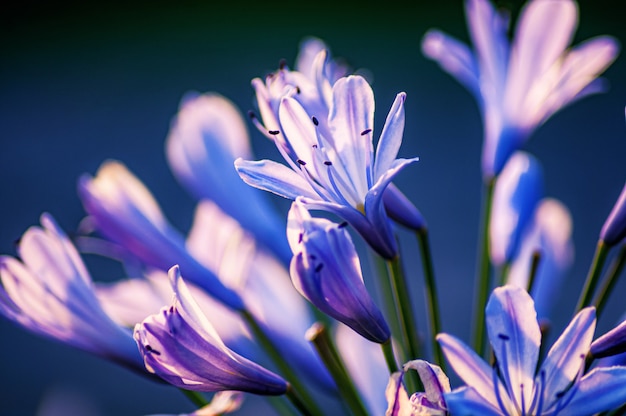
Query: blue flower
x=326 y=270
x=610 y=344
x=181 y=346
x=50 y=292
x=514 y=385
x=519 y=85
x=335 y=168
x=206 y=136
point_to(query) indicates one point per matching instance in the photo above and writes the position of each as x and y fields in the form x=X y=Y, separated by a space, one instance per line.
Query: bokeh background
x=81 y=82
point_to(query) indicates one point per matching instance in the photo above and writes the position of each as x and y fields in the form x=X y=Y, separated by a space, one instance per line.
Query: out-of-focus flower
x=181 y=346
x=223 y=402
x=124 y=211
x=326 y=270
x=205 y=138
x=49 y=292
x=611 y=343
x=550 y=236
x=614 y=228
x=429 y=402
x=520 y=85
x=517 y=192
x=514 y=386
x=337 y=170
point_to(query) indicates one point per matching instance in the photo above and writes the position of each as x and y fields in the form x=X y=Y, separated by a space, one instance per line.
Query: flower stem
x=390 y=358
x=195 y=397
x=319 y=337
x=432 y=298
x=615 y=269
x=295 y=399
x=534 y=265
x=484 y=273
x=296 y=386
x=593 y=275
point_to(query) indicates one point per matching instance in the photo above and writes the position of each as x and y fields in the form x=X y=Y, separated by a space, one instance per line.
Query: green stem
x=297 y=401
x=195 y=397
x=432 y=298
x=534 y=265
x=390 y=358
x=484 y=273
x=296 y=386
x=504 y=273
x=593 y=275
x=615 y=269
x=319 y=337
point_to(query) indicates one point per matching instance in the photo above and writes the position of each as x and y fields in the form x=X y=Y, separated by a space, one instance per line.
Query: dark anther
x=302 y=162
x=319 y=267
x=560 y=394
x=282 y=64
x=343 y=224
x=314 y=146
x=172 y=309
x=251 y=114
x=274 y=132
x=364 y=132
x=300 y=238
x=298 y=91
x=315 y=121
x=503 y=337
x=152 y=350
x=328 y=163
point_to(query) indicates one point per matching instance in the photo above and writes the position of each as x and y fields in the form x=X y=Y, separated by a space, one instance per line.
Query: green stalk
x=297 y=401
x=593 y=275
x=534 y=265
x=483 y=285
x=195 y=397
x=504 y=273
x=432 y=298
x=297 y=389
x=615 y=269
x=323 y=343
x=390 y=358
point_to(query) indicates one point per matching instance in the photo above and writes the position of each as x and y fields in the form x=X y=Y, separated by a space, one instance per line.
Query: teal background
x=84 y=82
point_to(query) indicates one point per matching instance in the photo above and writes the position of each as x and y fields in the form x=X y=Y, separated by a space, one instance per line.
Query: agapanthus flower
x=326 y=270
x=125 y=212
x=49 y=291
x=180 y=345
x=430 y=402
x=514 y=385
x=205 y=137
x=614 y=228
x=337 y=170
x=519 y=85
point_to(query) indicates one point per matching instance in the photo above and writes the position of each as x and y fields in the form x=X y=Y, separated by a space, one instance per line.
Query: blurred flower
x=205 y=138
x=49 y=292
x=124 y=211
x=223 y=402
x=614 y=229
x=326 y=270
x=337 y=171
x=513 y=386
x=181 y=346
x=520 y=85
x=429 y=402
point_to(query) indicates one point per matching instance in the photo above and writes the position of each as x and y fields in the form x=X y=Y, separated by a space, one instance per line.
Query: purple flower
x=514 y=385
x=206 y=136
x=49 y=291
x=335 y=167
x=520 y=84
x=326 y=270
x=181 y=346
x=614 y=228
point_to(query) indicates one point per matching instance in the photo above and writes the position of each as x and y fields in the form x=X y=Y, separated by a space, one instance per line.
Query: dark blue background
x=80 y=84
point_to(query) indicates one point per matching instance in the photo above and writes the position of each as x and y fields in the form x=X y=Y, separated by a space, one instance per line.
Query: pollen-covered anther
x=366 y=131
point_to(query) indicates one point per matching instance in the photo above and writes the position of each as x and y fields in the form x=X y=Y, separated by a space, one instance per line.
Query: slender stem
x=534 y=265
x=483 y=285
x=297 y=401
x=390 y=358
x=432 y=298
x=615 y=269
x=319 y=337
x=593 y=275
x=297 y=387
x=402 y=300
x=195 y=397
x=504 y=273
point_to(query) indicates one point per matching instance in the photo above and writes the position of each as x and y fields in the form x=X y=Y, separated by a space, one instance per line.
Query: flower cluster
x=254 y=301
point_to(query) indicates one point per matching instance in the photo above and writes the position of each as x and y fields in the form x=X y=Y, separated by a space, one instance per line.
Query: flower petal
x=600 y=390
x=390 y=138
x=274 y=177
x=466 y=401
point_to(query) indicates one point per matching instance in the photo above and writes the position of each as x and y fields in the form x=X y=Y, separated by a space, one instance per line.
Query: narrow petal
x=391 y=137
x=401 y=209
x=614 y=228
x=611 y=343
x=397 y=398
x=601 y=390
x=515 y=337
x=298 y=128
x=274 y=177
x=466 y=401
x=435 y=382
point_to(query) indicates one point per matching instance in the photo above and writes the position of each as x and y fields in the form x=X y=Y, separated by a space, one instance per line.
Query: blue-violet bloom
x=429 y=402
x=337 y=170
x=514 y=385
x=611 y=343
x=181 y=346
x=520 y=84
x=50 y=292
x=326 y=270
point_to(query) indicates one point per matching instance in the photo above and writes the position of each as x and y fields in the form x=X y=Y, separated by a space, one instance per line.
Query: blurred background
x=81 y=82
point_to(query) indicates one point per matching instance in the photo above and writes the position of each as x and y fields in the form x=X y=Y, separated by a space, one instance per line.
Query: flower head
x=519 y=85
x=326 y=270
x=50 y=292
x=514 y=386
x=181 y=346
x=335 y=167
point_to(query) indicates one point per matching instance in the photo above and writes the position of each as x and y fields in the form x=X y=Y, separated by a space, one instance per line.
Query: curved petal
x=611 y=343
x=401 y=209
x=600 y=390
x=614 y=228
x=274 y=177
x=515 y=337
x=465 y=401
x=391 y=137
